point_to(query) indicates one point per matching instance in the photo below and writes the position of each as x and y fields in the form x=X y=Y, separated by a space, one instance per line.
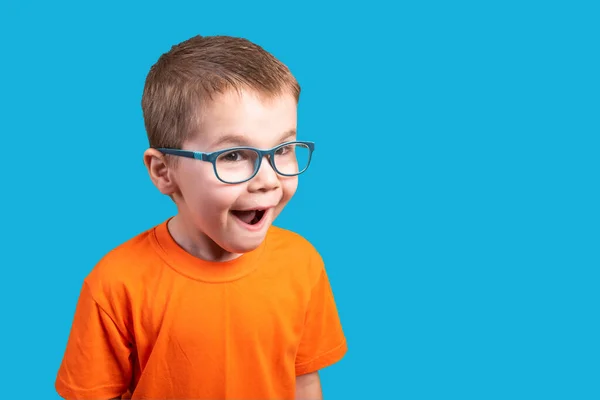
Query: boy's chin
x=243 y=245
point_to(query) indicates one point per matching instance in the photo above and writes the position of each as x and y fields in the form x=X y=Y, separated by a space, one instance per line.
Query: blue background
x=453 y=195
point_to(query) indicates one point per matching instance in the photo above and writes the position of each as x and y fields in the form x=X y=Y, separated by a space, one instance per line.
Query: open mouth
x=250 y=217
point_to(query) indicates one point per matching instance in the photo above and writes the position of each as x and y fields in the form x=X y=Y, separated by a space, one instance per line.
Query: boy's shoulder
x=290 y=242
x=127 y=261
x=292 y=251
x=289 y=237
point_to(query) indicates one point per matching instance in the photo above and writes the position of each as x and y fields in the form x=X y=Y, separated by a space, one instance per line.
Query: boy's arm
x=323 y=342
x=96 y=363
x=308 y=387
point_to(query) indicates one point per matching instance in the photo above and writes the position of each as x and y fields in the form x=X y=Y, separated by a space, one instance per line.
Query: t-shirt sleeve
x=96 y=362
x=323 y=342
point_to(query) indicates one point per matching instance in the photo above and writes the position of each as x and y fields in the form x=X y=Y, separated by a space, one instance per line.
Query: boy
x=215 y=302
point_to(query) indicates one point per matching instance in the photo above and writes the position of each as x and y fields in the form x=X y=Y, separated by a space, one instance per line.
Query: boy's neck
x=197 y=243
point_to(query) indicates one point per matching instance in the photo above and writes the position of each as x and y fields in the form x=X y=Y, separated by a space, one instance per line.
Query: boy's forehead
x=247 y=119
x=247 y=139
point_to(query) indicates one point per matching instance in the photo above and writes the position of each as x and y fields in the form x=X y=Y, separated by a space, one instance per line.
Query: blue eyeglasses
x=240 y=164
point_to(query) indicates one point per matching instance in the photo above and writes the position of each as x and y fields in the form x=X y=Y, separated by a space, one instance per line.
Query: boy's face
x=209 y=214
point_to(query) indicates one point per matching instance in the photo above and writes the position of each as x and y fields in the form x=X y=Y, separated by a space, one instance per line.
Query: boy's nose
x=265 y=179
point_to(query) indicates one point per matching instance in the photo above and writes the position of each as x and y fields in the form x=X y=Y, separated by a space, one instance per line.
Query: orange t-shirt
x=154 y=322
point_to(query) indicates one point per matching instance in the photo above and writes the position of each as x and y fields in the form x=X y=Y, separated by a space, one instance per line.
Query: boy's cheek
x=289 y=188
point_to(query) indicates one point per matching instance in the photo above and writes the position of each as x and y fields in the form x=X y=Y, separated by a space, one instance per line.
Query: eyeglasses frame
x=213 y=156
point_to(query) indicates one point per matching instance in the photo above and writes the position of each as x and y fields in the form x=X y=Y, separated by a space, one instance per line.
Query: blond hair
x=187 y=77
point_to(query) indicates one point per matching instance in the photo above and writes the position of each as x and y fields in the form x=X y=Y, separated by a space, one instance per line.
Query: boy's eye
x=231 y=156
x=283 y=150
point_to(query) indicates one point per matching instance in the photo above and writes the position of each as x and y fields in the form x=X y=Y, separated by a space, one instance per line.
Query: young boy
x=215 y=302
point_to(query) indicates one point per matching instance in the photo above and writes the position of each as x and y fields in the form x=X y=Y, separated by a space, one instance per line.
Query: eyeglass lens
x=239 y=165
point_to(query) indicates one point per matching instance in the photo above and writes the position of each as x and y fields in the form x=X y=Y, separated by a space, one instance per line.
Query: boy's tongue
x=246 y=216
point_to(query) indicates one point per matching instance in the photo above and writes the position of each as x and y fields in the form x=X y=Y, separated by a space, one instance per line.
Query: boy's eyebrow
x=241 y=140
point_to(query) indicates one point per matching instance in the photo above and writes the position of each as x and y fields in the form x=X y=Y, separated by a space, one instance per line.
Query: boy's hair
x=187 y=77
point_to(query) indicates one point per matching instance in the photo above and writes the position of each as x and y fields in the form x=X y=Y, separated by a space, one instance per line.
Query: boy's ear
x=160 y=173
